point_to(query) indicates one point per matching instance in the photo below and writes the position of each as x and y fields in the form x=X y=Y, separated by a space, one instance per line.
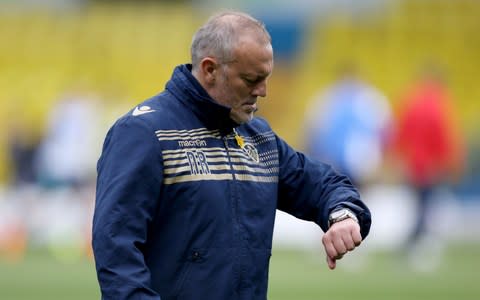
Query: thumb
x=331 y=262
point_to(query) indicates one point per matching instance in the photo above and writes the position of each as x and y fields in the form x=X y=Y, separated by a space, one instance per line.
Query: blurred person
x=66 y=153
x=189 y=180
x=348 y=125
x=13 y=226
x=22 y=150
x=428 y=144
x=22 y=145
x=65 y=165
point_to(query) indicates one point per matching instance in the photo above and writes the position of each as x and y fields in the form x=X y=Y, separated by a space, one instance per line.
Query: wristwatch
x=340 y=215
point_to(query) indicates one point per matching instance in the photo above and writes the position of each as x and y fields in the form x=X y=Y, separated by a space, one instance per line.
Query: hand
x=342 y=237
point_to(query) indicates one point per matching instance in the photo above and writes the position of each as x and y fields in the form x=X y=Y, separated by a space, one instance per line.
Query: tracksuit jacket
x=186 y=199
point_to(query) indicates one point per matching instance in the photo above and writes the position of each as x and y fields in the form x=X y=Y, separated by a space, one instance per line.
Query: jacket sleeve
x=128 y=188
x=311 y=190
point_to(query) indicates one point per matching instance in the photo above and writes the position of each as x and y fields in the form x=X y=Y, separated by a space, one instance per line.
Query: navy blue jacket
x=186 y=199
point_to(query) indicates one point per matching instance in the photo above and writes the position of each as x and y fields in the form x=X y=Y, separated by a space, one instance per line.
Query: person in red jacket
x=428 y=142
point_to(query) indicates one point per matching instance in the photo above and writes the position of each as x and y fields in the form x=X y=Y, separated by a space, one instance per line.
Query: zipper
x=225 y=143
x=234 y=196
x=234 y=207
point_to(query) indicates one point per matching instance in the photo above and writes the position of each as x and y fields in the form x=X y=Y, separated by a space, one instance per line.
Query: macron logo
x=142 y=110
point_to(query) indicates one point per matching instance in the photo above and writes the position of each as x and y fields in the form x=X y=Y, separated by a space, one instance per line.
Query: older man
x=189 y=180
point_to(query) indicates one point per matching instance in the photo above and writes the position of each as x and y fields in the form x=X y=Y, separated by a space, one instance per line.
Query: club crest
x=251 y=152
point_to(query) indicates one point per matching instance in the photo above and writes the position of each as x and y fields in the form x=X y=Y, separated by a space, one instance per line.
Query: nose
x=260 y=90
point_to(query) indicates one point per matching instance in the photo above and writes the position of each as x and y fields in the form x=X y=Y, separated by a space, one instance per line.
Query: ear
x=208 y=68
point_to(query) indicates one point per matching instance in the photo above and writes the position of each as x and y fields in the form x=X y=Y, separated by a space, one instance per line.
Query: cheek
x=240 y=97
x=224 y=93
x=235 y=94
x=242 y=91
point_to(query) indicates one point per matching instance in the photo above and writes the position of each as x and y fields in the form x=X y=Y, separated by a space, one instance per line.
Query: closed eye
x=253 y=82
x=250 y=81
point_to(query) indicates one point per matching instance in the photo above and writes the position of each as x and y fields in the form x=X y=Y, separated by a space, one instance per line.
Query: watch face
x=338 y=214
x=341 y=215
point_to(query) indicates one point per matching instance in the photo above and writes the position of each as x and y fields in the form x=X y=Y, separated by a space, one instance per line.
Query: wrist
x=340 y=215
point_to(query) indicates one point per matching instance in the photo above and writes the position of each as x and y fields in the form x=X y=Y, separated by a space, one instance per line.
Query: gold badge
x=247 y=147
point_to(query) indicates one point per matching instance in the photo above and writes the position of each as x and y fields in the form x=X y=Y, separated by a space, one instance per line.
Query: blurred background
x=384 y=90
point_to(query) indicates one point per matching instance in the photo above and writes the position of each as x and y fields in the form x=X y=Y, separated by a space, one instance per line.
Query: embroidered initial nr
x=198 y=162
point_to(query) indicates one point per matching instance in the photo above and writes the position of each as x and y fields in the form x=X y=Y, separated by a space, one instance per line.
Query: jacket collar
x=186 y=88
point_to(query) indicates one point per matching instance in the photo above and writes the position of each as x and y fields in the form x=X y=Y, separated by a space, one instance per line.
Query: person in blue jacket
x=189 y=180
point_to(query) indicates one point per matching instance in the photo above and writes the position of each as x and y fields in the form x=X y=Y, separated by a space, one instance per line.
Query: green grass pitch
x=294 y=275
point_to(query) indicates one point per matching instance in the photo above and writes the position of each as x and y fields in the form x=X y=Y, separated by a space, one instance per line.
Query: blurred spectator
x=13 y=231
x=427 y=143
x=22 y=149
x=68 y=152
x=347 y=126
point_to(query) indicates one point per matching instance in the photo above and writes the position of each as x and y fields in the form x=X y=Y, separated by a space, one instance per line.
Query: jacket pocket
x=194 y=257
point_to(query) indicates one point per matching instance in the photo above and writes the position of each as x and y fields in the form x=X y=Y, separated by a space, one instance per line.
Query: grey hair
x=219 y=35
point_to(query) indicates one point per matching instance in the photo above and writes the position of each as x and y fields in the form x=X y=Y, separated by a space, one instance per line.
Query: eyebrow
x=254 y=77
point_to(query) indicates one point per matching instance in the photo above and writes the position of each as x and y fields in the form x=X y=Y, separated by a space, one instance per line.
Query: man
x=189 y=181
x=429 y=145
x=343 y=133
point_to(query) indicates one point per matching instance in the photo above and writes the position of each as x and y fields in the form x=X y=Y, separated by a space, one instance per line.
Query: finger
x=340 y=247
x=348 y=241
x=331 y=262
x=356 y=237
x=329 y=247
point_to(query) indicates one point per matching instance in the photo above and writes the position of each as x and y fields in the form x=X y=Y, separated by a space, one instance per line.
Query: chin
x=242 y=118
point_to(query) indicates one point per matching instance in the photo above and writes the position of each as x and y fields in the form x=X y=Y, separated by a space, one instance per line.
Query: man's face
x=240 y=82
